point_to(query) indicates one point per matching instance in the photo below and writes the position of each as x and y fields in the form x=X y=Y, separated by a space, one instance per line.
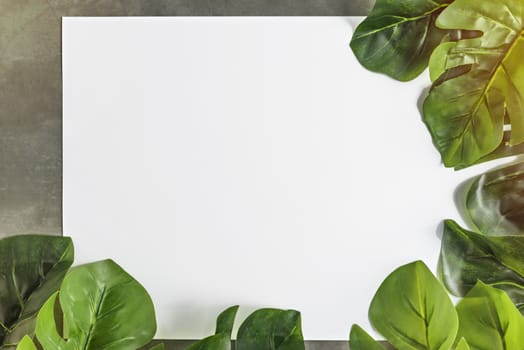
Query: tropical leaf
x=489 y=320
x=26 y=344
x=31 y=269
x=412 y=310
x=271 y=329
x=221 y=340
x=359 y=339
x=462 y=345
x=397 y=37
x=103 y=308
x=467 y=257
x=495 y=201
x=482 y=88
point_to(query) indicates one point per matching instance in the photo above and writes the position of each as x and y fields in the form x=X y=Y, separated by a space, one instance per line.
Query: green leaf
x=482 y=89
x=412 y=310
x=462 y=345
x=159 y=346
x=222 y=338
x=271 y=329
x=215 y=342
x=495 y=203
x=31 y=269
x=360 y=340
x=467 y=257
x=226 y=320
x=489 y=320
x=397 y=37
x=26 y=344
x=103 y=308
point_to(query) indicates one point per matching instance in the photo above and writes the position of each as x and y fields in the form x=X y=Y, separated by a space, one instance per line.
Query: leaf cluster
x=474 y=109
x=412 y=310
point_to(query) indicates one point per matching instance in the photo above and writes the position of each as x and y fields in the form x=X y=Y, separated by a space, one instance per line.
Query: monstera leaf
x=31 y=269
x=359 y=339
x=271 y=329
x=476 y=106
x=397 y=37
x=101 y=307
x=467 y=257
x=489 y=320
x=412 y=310
x=221 y=340
x=495 y=201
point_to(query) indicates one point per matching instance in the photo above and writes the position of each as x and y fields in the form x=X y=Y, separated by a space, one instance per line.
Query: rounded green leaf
x=215 y=342
x=495 y=203
x=397 y=37
x=31 y=269
x=271 y=329
x=26 y=344
x=412 y=310
x=359 y=339
x=489 y=320
x=466 y=110
x=226 y=320
x=103 y=308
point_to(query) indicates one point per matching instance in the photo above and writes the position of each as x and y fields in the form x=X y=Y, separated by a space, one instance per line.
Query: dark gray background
x=31 y=92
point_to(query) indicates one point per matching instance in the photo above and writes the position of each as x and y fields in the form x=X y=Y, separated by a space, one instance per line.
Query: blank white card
x=249 y=161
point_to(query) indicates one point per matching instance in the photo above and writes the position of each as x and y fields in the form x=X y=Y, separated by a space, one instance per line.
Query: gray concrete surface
x=31 y=94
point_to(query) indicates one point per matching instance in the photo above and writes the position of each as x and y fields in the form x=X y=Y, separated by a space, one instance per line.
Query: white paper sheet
x=246 y=161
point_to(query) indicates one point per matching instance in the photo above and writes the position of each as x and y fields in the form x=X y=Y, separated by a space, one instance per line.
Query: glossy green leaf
x=103 y=308
x=271 y=329
x=359 y=339
x=26 y=344
x=226 y=320
x=397 y=37
x=482 y=89
x=214 y=342
x=31 y=269
x=489 y=320
x=221 y=340
x=467 y=257
x=412 y=310
x=495 y=201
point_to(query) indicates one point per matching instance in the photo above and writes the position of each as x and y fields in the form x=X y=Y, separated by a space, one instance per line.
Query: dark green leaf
x=495 y=201
x=226 y=320
x=222 y=338
x=412 y=310
x=31 y=269
x=360 y=340
x=271 y=329
x=467 y=257
x=489 y=320
x=397 y=37
x=483 y=86
x=215 y=342
x=103 y=308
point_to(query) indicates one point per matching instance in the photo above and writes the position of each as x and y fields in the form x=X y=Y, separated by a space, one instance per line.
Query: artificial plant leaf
x=495 y=201
x=159 y=346
x=26 y=344
x=489 y=320
x=103 y=308
x=466 y=109
x=222 y=338
x=359 y=339
x=397 y=37
x=226 y=320
x=467 y=257
x=271 y=329
x=215 y=342
x=31 y=269
x=462 y=345
x=412 y=310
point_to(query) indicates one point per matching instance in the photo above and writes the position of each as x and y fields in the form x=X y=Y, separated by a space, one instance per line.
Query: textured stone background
x=31 y=94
